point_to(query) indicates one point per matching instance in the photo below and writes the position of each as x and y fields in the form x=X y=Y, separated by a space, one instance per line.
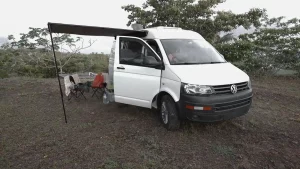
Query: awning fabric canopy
x=93 y=30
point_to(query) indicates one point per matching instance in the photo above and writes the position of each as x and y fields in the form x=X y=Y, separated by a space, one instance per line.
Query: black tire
x=172 y=122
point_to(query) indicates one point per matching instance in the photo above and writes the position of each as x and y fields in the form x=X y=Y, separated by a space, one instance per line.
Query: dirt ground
x=33 y=133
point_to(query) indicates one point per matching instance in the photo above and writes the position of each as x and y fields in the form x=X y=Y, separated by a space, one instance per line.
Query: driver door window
x=135 y=52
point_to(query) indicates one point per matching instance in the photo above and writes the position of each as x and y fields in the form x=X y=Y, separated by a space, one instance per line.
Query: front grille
x=232 y=105
x=225 y=89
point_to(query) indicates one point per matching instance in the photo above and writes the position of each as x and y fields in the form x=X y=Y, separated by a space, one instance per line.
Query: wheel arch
x=157 y=99
x=174 y=121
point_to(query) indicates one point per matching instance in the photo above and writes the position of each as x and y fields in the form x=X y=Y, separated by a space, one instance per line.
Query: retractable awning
x=93 y=30
x=88 y=31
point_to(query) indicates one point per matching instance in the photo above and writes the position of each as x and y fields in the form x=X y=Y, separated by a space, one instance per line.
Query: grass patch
x=295 y=119
x=150 y=142
x=226 y=151
x=110 y=164
x=152 y=164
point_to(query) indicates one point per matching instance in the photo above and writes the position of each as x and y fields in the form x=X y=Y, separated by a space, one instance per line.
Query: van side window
x=154 y=46
x=135 y=52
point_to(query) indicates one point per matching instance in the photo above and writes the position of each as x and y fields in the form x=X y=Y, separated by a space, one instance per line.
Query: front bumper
x=223 y=107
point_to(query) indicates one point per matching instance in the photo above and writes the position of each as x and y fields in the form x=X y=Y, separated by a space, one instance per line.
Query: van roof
x=171 y=33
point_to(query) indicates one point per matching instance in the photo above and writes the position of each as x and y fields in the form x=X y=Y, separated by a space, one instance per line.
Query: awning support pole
x=57 y=73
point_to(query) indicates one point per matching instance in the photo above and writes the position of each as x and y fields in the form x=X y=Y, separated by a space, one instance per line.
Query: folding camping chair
x=98 y=85
x=77 y=89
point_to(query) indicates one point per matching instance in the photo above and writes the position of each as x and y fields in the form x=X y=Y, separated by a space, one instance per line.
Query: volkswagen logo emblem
x=233 y=89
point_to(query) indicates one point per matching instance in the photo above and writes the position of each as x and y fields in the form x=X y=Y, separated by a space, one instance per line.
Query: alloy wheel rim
x=164 y=113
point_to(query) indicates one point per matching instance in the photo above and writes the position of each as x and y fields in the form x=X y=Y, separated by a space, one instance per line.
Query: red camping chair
x=98 y=85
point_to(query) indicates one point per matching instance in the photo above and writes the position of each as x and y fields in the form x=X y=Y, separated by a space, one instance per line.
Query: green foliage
x=5 y=63
x=278 y=40
x=37 y=63
x=235 y=52
x=197 y=15
x=3 y=74
x=39 y=38
x=91 y=62
x=297 y=68
x=31 y=55
x=273 y=46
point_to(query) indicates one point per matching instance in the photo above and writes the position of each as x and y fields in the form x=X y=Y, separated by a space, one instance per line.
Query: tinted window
x=135 y=52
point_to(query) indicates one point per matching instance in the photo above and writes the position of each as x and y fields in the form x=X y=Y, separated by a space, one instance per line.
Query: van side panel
x=141 y=86
x=172 y=87
x=170 y=83
x=133 y=101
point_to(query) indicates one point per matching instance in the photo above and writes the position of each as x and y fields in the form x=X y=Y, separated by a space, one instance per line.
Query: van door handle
x=121 y=68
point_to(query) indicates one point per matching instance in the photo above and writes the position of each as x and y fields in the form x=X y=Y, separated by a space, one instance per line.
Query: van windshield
x=191 y=51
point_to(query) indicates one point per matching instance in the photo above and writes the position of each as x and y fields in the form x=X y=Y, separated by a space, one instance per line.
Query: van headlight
x=196 y=89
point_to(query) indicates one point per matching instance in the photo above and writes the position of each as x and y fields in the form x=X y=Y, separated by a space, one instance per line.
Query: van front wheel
x=169 y=113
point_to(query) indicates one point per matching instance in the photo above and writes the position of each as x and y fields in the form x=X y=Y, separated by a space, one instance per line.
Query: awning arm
x=54 y=55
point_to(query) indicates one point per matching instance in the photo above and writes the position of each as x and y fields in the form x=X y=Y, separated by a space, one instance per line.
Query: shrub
x=297 y=68
x=3 y=74
x=37 y=63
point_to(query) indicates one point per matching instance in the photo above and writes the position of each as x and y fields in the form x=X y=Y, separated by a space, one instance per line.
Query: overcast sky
x=18 y=15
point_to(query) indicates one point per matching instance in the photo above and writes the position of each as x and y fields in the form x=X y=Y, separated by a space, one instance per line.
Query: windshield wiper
x=212 y=62
x=196 y=63
x=186 y=63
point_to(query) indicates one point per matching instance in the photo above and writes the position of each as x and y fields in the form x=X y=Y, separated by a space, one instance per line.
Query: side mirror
x=160 y=66
x=150 y=61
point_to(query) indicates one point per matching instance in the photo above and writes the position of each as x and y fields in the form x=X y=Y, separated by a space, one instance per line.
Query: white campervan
x=178 y=72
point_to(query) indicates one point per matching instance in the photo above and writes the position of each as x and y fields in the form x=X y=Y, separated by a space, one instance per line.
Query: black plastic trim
x=215 y=101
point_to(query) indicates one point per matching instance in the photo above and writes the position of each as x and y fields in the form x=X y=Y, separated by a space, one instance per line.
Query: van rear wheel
x=169 y=114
